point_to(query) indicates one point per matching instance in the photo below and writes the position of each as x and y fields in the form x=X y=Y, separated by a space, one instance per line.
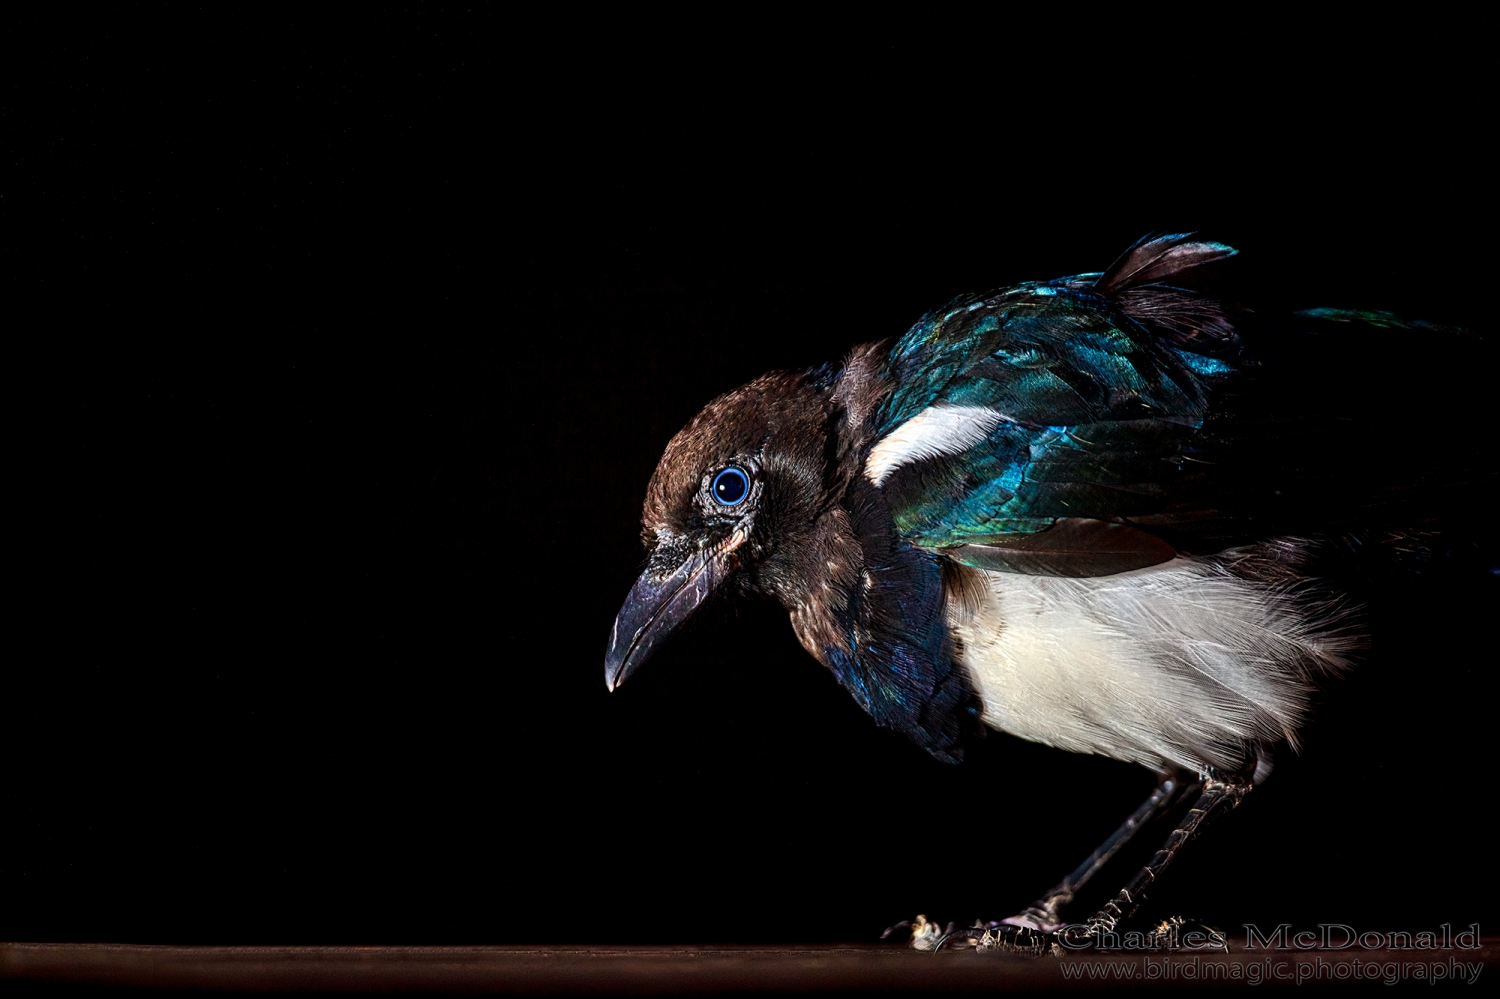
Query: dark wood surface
x=685 y=969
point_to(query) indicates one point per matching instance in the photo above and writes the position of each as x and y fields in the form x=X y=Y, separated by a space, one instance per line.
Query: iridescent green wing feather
x=1098 y=385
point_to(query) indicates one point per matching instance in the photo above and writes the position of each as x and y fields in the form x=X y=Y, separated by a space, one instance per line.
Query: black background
x=352 y=347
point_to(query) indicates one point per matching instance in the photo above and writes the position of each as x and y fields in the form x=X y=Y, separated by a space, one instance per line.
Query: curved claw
x=968 y=933
x=905 y=924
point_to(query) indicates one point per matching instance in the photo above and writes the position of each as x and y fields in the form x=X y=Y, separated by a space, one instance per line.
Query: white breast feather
x=1174 y=666
x=936 y=430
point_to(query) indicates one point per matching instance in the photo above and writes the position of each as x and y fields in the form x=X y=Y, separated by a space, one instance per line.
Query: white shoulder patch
x=936 y=430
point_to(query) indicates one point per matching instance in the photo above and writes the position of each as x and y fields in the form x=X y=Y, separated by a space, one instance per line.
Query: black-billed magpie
x=1087 y=512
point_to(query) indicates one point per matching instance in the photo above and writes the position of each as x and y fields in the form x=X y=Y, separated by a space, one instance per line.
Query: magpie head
x=732 y=503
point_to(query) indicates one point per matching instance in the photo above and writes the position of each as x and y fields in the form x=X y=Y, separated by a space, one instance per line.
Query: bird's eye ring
x=731 y=486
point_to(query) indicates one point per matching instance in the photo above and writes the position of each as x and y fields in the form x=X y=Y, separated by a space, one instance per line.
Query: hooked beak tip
x=614 y=674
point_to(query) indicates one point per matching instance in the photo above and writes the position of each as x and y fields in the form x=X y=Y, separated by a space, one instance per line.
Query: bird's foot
x=925 y=935
x=1038 y=932
x=1033 y=932
x=1016 y=935
x=1175 y=934
x=1178 y=933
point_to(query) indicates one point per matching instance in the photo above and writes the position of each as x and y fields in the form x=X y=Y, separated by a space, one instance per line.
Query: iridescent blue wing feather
x=1099 y=385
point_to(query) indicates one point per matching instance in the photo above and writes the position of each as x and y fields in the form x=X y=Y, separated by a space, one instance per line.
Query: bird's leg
x=1219 y=795
x=1039 y=929
x=1033 y=930
x=1043 y=914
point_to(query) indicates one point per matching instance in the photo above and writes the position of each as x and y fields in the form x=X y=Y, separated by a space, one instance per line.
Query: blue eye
x=731 y=486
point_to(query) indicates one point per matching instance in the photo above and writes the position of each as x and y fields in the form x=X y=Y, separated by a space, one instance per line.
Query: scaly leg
x=1043 y=914
x=1032 y=930
x=1039 y=929
x=1219 y=794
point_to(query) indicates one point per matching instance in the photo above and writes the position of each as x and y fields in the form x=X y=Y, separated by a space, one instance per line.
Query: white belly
x=1175 y=666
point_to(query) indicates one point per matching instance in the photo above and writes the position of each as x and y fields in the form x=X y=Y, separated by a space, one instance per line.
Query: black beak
x=678 y=578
